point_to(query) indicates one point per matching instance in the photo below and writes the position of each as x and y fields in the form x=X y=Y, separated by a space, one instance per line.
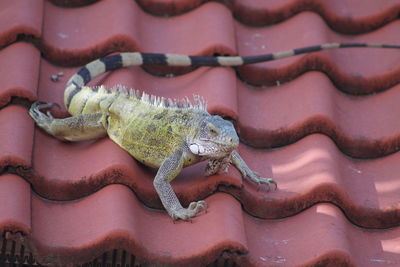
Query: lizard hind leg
x=76 y=128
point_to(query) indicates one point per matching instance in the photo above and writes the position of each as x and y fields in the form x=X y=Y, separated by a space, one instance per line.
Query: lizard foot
x=255 y=177
x=191 y=211
x=43 y=120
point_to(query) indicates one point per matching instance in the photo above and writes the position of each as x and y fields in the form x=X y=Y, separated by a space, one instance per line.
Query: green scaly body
x=148 y=129
x=161 y=133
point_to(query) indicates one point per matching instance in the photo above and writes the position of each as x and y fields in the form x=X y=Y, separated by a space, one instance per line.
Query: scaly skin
x=160 y=135
x=159 y=132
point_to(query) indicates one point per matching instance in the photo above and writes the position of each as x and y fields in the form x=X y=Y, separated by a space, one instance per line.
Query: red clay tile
x=20 y=76
x=17 y=135
x=114 y=218
x=350 y=17
x=310 y=169
x=348 y=68
x=65 y=171
x=216 y=85
x=306 y=173
x=113 y=168
x=20 y=20
x=356 y=77
x=361 y=126
x=15 y=208
x=346 y=16
x=117 y=220
x=138 y=32
x=319 y=236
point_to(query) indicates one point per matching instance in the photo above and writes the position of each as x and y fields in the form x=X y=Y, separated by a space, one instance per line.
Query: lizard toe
x=198 y=206
x=43 y=120
x=272 y=185
x=190 y=212
x=255 y=177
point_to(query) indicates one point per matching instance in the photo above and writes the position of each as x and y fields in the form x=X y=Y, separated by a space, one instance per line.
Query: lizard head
x=216 y=138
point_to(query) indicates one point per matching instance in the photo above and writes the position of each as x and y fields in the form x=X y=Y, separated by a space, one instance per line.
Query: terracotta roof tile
x=343 y=16
x=19 y=20
x=19 y=77
x=135 y=32
x=118 y=220
x=323 y=125
x=345 y=67
x=114 y=218
x=362 y=126
x=15 y=208
x=17 y=135
x=292 y=241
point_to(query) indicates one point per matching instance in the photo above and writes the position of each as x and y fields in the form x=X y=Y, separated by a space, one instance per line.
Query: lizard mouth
x=228 y=142
x=211 y=148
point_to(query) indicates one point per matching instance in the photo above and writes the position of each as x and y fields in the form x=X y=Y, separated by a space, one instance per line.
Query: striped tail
x=102 y=65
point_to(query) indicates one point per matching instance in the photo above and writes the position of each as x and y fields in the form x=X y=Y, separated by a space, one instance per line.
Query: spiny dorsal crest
x=199 y=103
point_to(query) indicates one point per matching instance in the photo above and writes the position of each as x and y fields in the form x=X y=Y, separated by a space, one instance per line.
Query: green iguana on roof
x=161 y=133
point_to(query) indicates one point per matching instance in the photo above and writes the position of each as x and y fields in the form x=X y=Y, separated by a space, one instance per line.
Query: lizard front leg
x=169 y=169
x=247 y=172
x=76 y=128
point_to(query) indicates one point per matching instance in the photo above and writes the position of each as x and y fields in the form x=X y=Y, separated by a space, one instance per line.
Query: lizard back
x=146 y=126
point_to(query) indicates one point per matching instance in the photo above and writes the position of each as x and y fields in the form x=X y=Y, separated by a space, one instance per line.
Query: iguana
x=161 y=133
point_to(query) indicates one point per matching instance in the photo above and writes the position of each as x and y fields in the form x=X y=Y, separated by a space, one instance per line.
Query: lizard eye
x=213 y=130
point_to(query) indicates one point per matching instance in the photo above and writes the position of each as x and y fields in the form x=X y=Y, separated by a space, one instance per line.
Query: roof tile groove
x=350 y=17
x=306 y=172
x=15 y=208
x=57 y=43
x=126 y=225
x=118 y=166
x=363 y=126
x=342 y=243
x=347 y=68
x=217 y=85
x=323 y=125
x=20 y=77
x=358 y=129
x=121 y=222
x=17 y=130
x=20 y=18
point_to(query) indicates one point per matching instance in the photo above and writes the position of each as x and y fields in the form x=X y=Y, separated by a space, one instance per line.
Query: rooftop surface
x=325 y=126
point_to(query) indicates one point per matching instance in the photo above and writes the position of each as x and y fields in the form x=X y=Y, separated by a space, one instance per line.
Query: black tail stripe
x=344 y=45
x=204 y=61
x=307 y=49
x=257 y=59
x=112 y=62
x=154 y=59
x=391 y=46
x=85 y=74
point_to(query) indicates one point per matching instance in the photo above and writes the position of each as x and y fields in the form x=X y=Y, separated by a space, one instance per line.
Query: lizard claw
x=255 y=177
x=191 y=211
x=43 y=120
x=38 y=105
